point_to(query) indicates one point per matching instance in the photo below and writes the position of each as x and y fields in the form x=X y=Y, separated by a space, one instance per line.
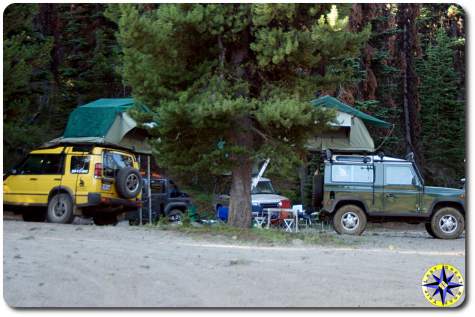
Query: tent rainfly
x=106 y=121
x=349 y=132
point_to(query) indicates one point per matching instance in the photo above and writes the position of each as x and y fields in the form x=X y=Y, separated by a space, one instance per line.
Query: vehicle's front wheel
x=349 y=219
x=447 y=223
x=60 y=209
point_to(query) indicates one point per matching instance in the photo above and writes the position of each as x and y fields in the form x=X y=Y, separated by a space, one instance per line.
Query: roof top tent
x=106 y=122
x=349 y=132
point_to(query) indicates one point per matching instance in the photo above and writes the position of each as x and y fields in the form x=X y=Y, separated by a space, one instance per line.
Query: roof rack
x=49 y=145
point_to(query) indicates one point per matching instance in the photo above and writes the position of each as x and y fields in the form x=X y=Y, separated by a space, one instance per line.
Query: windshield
x=263 y=187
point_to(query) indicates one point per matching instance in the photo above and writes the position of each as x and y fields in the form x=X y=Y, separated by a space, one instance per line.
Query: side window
x=32 y=165
x=157 y=186
x=41 y=164
x=352 y=173
x=80 y=164
x=398 y=175
x=114 y=161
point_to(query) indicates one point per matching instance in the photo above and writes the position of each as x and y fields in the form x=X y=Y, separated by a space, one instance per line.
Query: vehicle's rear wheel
x=104 y=219
x=34 y=215
x=60 y=209
x=128 y=182
x=349 y=219
x=447 y=223
x=429 y=230
x=175 y=215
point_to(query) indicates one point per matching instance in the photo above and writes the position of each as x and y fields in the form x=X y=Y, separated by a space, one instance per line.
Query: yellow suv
x=60 y=182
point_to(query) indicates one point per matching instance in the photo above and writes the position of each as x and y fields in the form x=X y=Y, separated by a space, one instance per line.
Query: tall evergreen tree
x=443 y=113
x=25 y=60
x=231 y=83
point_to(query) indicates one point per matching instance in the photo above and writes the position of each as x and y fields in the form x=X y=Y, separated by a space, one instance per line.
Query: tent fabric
x=106 y=121
x=354 y=138
x=333 y=103
x=96 y=118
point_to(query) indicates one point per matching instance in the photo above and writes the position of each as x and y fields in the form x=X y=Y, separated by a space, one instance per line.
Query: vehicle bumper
x=97 y=200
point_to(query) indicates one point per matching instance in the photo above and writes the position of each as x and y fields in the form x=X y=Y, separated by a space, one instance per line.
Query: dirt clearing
x=50 y=265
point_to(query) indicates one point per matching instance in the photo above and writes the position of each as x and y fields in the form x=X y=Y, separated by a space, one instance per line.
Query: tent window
x=352 y=173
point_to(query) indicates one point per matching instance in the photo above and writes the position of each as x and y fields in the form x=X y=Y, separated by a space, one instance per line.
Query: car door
x=159 y=195
x=79 y=178
x=401 y=190
x=34 y=178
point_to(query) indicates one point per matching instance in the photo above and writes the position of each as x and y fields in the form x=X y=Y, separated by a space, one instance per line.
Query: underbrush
x=272 y=236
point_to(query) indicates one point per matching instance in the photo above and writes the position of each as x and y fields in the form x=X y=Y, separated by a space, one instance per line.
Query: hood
x=443 y=191
x=267 y=198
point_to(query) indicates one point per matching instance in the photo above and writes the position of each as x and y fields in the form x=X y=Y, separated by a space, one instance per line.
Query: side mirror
x=414 y=182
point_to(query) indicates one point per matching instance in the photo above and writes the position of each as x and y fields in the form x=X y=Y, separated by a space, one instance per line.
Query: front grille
x=269 y=205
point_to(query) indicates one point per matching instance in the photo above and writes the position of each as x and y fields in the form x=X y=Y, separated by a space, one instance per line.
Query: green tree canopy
x=443 y=113
x=230 y=83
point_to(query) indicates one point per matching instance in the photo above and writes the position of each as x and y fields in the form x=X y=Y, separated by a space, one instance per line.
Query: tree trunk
x=407 y=120
x=240 y=201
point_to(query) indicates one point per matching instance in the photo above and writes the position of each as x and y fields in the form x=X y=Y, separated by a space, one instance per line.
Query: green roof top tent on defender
x=349 y=131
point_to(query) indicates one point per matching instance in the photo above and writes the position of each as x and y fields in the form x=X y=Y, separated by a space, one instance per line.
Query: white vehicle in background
x=263 y=196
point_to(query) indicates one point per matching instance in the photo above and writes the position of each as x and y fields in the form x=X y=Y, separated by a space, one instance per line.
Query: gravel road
x=51 y=265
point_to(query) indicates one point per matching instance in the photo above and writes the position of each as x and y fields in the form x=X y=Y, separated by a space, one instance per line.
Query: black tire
x=175 y=215
x=349 y=219
x=34 y=215
x=429 y=229
x=128 y=182
x=447 y=223
x=60 y=209
x=317 y=190
x=104 y=219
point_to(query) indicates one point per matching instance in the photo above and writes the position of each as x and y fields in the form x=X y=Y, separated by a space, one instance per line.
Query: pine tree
x=25 y=60
x=232 y=83
x=443 y=113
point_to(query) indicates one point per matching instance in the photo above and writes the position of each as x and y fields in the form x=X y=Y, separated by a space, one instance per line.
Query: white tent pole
x=149 y=191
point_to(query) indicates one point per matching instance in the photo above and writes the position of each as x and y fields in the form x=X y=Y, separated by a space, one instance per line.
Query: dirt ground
x=51 y=265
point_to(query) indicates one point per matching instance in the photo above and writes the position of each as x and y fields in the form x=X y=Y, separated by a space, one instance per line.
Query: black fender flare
x=350 y=200
x=449 y=201
x=175 y=205
x=61 y=189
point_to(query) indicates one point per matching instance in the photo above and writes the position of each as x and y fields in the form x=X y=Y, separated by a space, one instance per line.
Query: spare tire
x=128 y=182
x=317 y=190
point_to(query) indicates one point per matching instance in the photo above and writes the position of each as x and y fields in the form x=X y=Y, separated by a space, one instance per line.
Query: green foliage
x=443 y=113
x=25 y=61
x=182 y=60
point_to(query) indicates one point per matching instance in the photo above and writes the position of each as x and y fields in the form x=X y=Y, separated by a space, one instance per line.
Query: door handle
x=57 y=179
x=33 y=179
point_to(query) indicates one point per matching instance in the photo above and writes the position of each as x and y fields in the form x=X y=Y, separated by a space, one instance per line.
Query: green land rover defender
x=355 y=189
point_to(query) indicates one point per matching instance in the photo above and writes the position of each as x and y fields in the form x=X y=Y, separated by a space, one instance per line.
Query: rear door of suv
x=112 y=162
